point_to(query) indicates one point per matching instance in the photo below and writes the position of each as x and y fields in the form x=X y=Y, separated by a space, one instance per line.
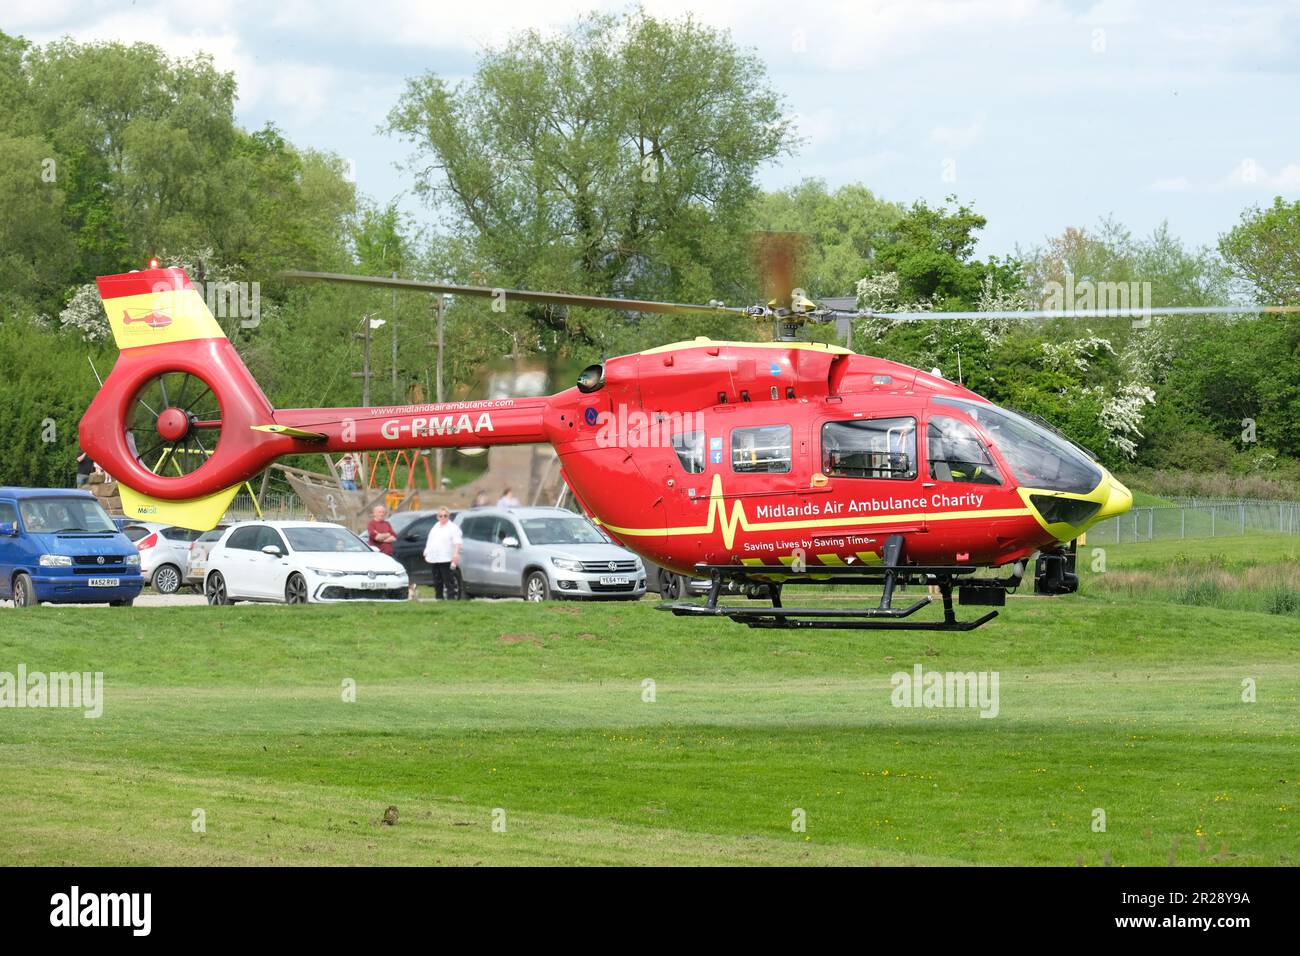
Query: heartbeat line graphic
x=718 y=518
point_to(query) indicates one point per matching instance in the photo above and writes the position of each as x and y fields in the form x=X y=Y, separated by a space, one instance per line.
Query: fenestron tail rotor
x=174 y=424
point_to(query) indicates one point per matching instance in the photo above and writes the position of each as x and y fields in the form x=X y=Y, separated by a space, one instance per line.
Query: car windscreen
x=561 y=530
x=323 y=539
x=68 y=515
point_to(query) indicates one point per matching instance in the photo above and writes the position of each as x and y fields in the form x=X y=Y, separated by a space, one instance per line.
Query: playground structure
x=391 y=480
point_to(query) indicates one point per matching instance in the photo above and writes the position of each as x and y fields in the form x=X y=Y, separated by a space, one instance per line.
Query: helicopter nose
x=1118 y=500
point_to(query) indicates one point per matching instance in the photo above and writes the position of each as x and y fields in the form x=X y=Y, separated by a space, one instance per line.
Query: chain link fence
x=1199 y=518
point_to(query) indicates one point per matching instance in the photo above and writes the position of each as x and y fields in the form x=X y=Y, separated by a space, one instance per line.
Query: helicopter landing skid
x=768 y=583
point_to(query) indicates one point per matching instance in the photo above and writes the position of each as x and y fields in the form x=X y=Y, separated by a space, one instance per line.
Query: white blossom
x=1122 y=414
x=84 y=314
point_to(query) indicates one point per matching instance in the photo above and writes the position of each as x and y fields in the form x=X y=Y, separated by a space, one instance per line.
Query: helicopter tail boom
x=181 y=423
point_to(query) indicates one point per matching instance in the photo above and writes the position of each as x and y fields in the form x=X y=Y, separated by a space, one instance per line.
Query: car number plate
x=102 y=582
x=372 y=585
x=612 y=579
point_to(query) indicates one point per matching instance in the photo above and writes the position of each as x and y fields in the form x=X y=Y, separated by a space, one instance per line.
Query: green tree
x=1264 y=249
x=843 y=229
x=932 y=251
x=618 y=157
x=36 y=248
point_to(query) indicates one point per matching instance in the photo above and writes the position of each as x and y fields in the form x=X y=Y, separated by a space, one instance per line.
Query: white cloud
x=1248 y=174
x=1174 y=185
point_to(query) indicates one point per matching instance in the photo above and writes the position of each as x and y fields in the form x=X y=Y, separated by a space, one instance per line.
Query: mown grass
x=1107 y=701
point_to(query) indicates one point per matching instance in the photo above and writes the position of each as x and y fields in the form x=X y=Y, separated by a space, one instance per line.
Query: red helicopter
x=754 y=464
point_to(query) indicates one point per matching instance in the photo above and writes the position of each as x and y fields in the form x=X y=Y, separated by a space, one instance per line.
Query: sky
x=1043 y=114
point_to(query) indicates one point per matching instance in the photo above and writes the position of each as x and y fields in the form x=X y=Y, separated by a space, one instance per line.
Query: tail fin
x=157 y=307
x=163 y=327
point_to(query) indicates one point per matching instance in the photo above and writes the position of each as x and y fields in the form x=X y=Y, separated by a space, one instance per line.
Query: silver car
x=541 y=554
x=164 y=553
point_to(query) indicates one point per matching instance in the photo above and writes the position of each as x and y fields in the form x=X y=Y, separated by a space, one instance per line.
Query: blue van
x=61 y=546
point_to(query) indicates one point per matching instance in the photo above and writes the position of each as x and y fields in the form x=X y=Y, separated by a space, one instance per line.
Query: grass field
x=1121 y=699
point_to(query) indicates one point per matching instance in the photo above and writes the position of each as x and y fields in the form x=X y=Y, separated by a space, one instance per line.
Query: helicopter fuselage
x=771 y=453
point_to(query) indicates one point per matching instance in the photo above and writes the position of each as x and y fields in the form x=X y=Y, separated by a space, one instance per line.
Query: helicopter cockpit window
x=765 y=449
x=957 y=454
x=1037 y=457
x=872 y=448
x=690 y=451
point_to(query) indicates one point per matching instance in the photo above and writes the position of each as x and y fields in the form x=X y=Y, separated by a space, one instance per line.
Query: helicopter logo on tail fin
x=150 y=318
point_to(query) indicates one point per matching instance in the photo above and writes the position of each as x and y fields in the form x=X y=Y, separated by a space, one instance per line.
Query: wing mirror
x=272 y=549
x=9 y=529
x=510 y=542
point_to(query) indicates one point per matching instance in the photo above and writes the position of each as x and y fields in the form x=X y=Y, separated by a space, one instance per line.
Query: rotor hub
x=173 y=424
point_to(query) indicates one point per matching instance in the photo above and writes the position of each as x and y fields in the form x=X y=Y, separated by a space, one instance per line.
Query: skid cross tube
x=767 y=582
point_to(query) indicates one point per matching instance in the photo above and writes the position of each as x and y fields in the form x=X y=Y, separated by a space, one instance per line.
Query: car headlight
x=133 y=559
x=56 y=561
x=564 y=564
x=327 y=572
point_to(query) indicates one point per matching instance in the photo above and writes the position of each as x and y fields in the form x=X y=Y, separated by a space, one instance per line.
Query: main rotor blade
x=520 y=295
x=1137 y=313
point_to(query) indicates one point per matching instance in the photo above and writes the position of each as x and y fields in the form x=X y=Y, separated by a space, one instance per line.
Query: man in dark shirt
x=379 y=532
x=84 y=467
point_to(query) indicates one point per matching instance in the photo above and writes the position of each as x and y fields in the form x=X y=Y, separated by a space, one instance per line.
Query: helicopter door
x=872 y=471
x=962 y=480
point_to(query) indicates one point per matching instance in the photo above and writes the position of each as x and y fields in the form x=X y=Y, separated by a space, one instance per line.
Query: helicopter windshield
x=1037 y=457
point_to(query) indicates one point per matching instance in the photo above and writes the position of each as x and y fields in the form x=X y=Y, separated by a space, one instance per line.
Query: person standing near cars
x=442 y=551
x=508 y=499
x=84 y=467
x=379 y=532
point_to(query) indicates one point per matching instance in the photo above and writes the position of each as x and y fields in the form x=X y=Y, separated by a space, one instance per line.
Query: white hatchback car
x=297 y=562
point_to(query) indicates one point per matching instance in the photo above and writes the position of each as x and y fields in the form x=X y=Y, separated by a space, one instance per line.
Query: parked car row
x=61 y=546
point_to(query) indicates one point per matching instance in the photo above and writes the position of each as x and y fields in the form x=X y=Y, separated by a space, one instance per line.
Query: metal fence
x=277 y=506
x=1198 y=518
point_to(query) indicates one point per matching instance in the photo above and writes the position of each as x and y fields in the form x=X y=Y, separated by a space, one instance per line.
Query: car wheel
x=536 y=587
x=462 y=593
x=670 y=585
x=167 y=579
x=25 y=591
x=215 y=590
x=295 y=589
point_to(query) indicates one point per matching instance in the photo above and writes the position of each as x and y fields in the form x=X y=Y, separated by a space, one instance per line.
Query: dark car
x=672 y=586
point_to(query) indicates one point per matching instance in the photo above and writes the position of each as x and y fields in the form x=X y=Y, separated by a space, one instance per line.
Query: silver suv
x=542 y=554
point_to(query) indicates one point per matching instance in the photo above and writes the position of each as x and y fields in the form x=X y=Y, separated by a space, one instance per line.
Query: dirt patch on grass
x=519 y=639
